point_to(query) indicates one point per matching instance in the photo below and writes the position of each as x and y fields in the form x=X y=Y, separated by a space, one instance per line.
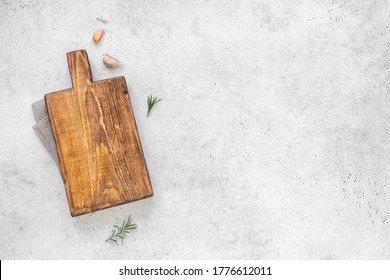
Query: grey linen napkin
x=43 y=128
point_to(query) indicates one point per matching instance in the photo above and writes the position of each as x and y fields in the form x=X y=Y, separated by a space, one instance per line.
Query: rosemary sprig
x=119 y=233
x=151 y=102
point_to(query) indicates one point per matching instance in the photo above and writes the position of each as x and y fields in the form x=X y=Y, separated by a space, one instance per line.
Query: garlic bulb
x=109 y=61
x=97 y=36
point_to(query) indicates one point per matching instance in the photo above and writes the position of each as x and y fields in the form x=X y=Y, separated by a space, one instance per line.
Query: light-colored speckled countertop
x=272 y=140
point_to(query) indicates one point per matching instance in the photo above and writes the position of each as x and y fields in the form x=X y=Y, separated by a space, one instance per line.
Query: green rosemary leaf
x=151 y=102
x=119 y=233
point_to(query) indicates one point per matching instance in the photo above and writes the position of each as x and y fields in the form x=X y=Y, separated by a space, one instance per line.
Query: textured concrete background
x=272 y=139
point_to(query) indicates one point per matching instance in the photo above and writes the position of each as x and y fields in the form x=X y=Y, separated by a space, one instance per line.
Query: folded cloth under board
x=43 y=128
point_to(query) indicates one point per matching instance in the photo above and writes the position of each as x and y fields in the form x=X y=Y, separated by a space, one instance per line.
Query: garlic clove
x=101 y=19
x=109 y=61
x=97 y=36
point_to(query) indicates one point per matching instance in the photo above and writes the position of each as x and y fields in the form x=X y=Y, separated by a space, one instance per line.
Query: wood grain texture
x=98 y=145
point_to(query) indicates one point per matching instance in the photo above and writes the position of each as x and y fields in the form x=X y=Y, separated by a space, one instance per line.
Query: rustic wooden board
x=98 y=145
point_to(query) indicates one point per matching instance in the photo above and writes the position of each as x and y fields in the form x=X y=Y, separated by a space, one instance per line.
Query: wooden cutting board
x=98 y=145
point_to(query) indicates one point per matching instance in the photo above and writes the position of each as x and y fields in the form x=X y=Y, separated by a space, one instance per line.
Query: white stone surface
x=272 y=139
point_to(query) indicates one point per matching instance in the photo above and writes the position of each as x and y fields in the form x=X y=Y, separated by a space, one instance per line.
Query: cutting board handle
x=80 y=71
